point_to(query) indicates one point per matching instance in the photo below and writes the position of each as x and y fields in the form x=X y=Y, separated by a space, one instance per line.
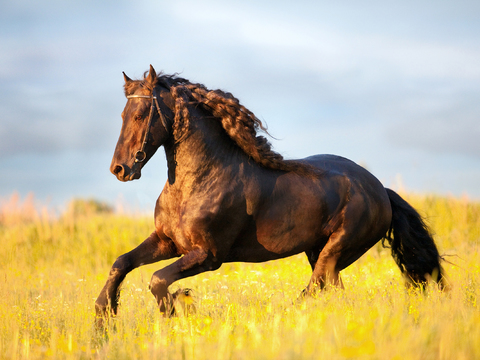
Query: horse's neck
x=206 y=149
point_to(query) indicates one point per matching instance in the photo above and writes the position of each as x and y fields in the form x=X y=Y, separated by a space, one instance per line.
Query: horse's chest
x=194 y=220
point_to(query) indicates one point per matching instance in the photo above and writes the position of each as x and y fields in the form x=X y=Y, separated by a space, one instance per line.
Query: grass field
x=53 y=267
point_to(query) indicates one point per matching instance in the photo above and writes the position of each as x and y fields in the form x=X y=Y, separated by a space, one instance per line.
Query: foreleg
x=153 y=249
x=194 y=262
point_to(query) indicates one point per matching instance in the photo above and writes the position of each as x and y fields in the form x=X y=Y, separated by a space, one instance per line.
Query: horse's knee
x=122 y=264
x=157 y=282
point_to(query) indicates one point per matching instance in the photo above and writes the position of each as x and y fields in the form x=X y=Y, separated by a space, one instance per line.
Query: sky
x=392 y=85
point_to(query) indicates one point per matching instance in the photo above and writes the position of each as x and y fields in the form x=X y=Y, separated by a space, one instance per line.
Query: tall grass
x=53 y=267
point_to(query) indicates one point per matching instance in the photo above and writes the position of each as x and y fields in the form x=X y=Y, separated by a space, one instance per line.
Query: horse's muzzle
x=124 y=173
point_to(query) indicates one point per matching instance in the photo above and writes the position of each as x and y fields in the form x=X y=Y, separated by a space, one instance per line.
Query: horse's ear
x=152 y=76
x=127 y=79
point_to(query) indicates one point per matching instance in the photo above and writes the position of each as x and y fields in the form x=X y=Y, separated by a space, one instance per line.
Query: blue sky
x=394 y=86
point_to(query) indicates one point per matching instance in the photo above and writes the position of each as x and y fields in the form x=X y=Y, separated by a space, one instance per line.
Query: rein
x=141 y=155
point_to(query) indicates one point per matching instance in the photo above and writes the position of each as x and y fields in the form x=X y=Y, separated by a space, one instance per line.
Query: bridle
x=141 y=155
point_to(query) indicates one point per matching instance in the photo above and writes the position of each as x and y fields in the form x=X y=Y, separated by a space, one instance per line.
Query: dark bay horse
x=229 y=197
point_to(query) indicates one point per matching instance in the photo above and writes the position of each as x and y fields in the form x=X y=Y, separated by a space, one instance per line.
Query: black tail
x=412 y=244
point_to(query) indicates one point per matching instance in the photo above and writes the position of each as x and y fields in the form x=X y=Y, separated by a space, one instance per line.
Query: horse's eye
x=138 y=117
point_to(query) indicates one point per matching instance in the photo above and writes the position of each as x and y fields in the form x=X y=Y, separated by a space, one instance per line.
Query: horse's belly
x=260 y=249
x=277 y=237
x=289 y=235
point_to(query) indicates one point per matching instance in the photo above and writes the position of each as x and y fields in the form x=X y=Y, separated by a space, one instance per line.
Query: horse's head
x=146 y=125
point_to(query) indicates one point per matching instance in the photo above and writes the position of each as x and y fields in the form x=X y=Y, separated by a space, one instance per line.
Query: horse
x=230 y=198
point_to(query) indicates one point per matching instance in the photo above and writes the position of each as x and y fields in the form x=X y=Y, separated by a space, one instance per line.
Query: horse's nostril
x=117 y=169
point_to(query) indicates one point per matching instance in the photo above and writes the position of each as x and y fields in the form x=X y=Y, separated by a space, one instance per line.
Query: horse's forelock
x=131 y=86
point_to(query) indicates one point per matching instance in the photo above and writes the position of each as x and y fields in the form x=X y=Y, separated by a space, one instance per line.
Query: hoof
x=301 y=298
x=183 y=303
x=103 y=317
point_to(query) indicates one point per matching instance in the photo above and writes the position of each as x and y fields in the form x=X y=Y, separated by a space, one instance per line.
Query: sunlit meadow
x=53 y=266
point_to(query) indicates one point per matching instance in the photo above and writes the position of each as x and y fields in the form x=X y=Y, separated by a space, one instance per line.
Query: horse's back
x=334 y=163
x=333 y=166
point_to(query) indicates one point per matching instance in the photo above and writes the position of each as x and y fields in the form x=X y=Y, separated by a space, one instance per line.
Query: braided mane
x=240 y=124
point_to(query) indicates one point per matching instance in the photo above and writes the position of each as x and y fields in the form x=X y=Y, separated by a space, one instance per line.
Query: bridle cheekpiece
x=141 y=155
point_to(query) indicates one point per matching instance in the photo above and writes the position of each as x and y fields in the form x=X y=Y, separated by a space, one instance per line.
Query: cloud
x=43 y=120
x=448 y=128
x=343 y=76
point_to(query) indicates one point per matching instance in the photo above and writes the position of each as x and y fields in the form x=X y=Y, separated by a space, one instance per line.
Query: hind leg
x=323 y=268
x=325 y=271
x=342 y=249
x=362 y=223
x=312 y=256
